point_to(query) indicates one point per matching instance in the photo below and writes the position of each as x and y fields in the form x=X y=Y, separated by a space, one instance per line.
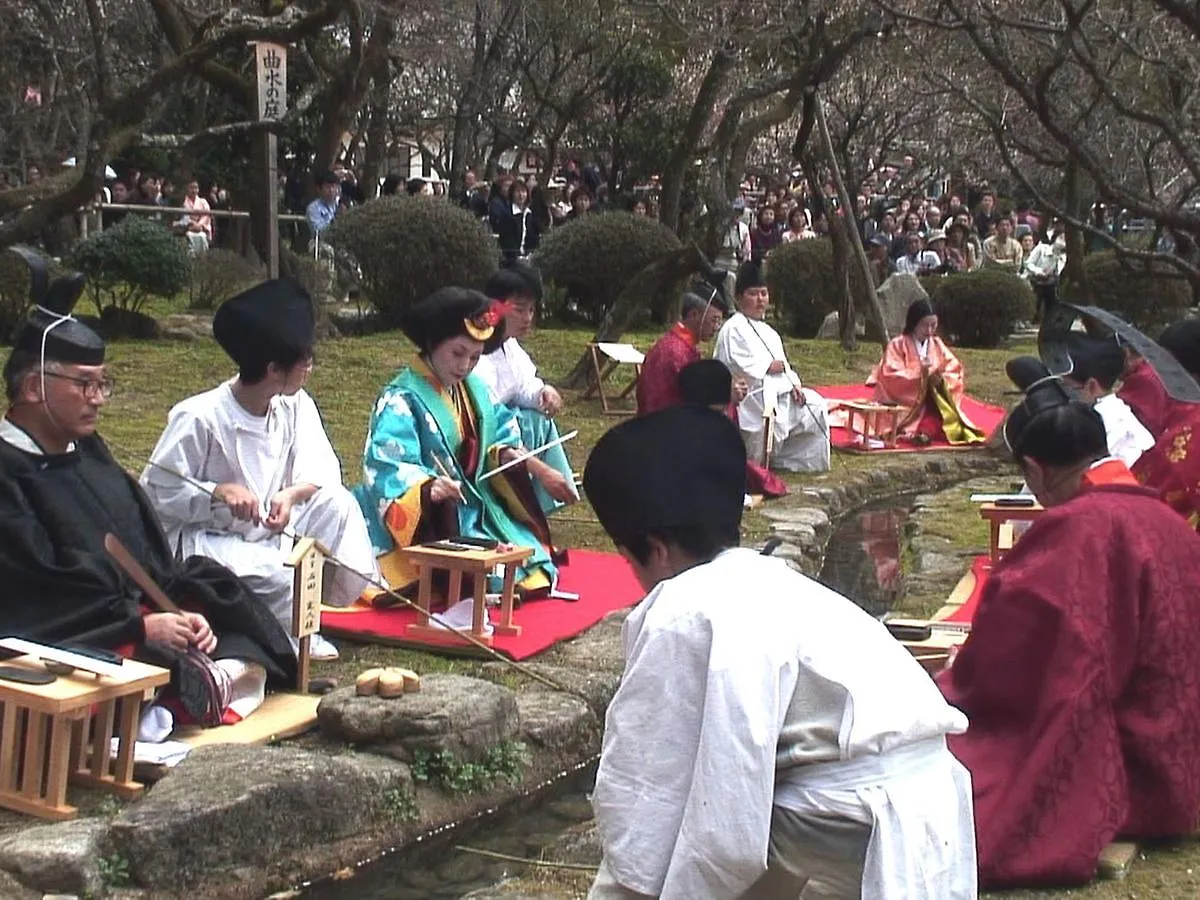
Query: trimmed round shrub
x=1150 y=298
x=980 y=308
x=592 y=258
x=131 y=262
x=219 y=274
x=800 y=279
x=803 y=289
x=408 y=247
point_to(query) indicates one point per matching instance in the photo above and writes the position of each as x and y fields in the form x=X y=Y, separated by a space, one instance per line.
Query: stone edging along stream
x=239 y=822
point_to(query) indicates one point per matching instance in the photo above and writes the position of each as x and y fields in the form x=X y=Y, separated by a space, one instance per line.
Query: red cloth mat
x=603 y=581
x=983 y=415
x=980 y=568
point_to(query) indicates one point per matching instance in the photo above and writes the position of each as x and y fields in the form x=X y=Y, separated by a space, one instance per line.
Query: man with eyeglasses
x=61 y=493
x=257 y=463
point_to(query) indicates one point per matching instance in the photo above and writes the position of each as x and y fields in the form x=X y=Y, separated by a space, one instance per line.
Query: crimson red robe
x=1081 y=685
x=1143 y=390
x=658 y=388
x=1171 y=468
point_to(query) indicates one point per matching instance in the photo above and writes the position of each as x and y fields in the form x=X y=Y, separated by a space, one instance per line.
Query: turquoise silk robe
x=414 y=422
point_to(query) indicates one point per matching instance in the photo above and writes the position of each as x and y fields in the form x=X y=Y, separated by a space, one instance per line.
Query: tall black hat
x=750 y=275
x=707 y=382
x=452 y=311
x=51 y=332
x=1042 y=391
x=684 y=465
x=270 y=322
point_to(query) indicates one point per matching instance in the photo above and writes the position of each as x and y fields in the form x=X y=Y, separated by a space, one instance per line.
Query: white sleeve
x=486 y=371
x=314 y=460
x=741 y=351
x=529 y=386
x=666 y=784
x=183 y=448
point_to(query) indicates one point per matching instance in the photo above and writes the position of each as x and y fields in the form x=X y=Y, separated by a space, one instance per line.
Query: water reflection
x=442 y=873
x=862 y=559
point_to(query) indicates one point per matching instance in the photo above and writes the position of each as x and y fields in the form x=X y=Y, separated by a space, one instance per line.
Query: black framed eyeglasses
x=103 y=387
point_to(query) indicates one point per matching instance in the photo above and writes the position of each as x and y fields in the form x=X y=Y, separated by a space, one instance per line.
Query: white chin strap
x=59 y=318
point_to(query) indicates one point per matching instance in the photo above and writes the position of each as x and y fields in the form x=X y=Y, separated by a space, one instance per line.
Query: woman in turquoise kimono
x=434 y=431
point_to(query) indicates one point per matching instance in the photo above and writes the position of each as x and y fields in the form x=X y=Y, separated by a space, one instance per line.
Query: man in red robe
x=658 y=385
x=1171 y=467
x=1143 y=390
x=1079 y=676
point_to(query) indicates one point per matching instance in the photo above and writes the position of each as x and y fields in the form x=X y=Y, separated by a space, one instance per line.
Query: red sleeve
x=658 y=385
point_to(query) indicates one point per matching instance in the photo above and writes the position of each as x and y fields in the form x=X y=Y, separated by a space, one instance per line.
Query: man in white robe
x=1097 y=365
x=769 y=739
x=753 y=350
x=240 y=464
x=512 y=378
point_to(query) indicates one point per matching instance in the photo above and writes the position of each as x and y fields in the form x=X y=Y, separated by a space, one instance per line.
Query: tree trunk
x=642 y=292
x=674 y=173
x=874 y=310
x=1074 y=272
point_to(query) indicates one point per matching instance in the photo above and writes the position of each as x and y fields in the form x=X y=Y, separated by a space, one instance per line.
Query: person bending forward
x=1079 y=675
x=769 y=739
x=256 y=461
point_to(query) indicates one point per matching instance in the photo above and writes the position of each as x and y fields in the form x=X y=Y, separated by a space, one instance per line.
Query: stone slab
x=465 y=716
x=253 y=806
x=62 y=857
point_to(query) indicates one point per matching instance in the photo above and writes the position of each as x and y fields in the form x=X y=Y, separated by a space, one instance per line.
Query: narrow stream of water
x=862 y=562
x=439 y=872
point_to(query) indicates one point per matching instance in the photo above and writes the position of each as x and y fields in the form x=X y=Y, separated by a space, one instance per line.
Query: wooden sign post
x=270 y=63
x=308 y=560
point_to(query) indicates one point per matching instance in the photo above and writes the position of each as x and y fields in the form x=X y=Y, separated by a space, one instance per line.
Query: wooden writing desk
x=476 y=563
x=54 y=733
x=878 y=421
x=997 y=517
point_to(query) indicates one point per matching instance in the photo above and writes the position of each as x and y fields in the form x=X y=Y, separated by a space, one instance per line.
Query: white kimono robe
x=750 y=689
x=1128 y=438
x=801 y=429
x=512 y=379
x=212 y=440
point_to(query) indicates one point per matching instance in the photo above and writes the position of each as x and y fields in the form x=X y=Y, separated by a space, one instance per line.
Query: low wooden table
x=54 y=733
x=880 y=421
x=476 y=563
x=999 y=516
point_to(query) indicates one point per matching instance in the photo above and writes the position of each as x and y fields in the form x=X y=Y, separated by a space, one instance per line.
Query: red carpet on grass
x=603 y=581
x=980 y=568
x=982 y=415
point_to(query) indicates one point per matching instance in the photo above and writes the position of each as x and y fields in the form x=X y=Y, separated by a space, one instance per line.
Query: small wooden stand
x=606 y=358
x=54 y=733
x=476 y=563
x=997 y=518
x=876 y=421
x=308 y=559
